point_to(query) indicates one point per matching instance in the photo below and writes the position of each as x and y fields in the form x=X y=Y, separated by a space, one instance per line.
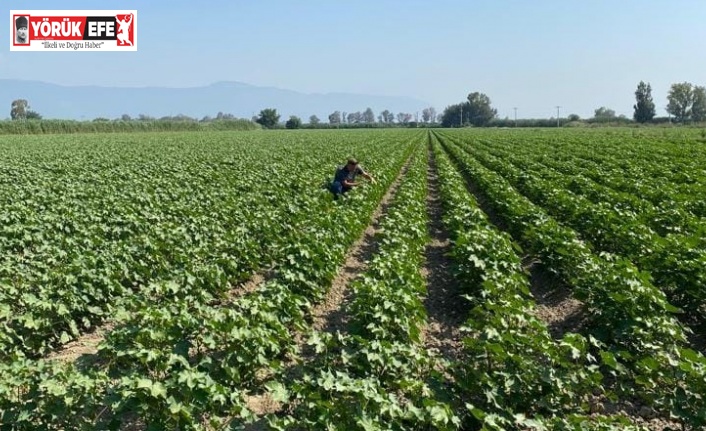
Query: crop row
x=640 y=340
x=176 y=358
x=90 y=224
x=83 y=233
x=376 y=374
x=676 y=263
x=513 y=374
x=668 y=174
x=668 y=217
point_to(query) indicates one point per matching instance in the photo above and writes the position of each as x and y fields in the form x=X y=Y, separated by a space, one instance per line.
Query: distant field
x=47 y=127
x=490 y=279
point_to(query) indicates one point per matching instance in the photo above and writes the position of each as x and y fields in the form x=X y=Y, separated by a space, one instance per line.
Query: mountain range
x=237 y=98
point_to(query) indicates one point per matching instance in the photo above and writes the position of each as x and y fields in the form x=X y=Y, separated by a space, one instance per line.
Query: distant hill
x=239 y=99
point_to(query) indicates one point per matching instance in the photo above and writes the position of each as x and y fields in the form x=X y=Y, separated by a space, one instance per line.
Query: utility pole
x=461 y=122
x=557 y=115
x=515 y=116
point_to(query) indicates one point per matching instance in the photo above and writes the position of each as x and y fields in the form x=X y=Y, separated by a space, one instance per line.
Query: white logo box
x=76 y=30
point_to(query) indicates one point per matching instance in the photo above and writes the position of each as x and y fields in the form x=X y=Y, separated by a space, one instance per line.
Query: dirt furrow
x=554 y=304
x=446 y=308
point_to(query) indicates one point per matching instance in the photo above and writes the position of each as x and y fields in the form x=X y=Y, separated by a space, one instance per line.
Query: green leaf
x=65 y=338
x=158 y=390
x=278 y=392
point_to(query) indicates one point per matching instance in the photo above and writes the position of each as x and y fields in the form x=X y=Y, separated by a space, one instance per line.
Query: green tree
x=33 y=115
x=268 y=118
x=314 y=120
x=698 y=107
x=645 y=106
x=681 y=100
x=334 y=117
x=604 y=114
x=428 y=115
x=368 y=116
x=18 y=109
x=451 y=117
x=294 y=122
x=224 y=116
x=354 y=117
x=387 y=116
x=403 y=117
x=478 y=111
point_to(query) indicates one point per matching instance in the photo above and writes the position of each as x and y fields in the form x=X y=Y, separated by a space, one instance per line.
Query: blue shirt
x=342 y=174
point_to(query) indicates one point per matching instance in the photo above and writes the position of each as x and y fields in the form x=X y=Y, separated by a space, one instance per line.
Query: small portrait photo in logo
x=22 y=30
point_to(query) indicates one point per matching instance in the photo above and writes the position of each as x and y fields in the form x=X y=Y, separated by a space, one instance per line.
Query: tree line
x=686 y=103
x=269 y=118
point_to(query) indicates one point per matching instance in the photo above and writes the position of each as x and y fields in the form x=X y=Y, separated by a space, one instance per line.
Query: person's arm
x=349 y=183
x=365 y=175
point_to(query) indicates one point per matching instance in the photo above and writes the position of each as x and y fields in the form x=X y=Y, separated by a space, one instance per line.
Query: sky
x=532 y=55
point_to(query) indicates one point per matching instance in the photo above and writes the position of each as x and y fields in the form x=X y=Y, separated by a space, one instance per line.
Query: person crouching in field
x=344 y=179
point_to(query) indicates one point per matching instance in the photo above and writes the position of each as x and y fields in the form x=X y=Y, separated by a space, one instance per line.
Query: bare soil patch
x=445 y=306
x=636 y=411
x=86 y=344
x=555 y=306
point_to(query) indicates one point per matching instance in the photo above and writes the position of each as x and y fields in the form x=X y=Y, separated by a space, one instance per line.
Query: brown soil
x=446 y=308
x=636 y=411
x=255 y=281
x=86 y=344
x=262 y=404
x=555 y=306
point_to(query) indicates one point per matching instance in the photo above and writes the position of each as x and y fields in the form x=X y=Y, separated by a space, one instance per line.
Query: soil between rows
x=446 y=308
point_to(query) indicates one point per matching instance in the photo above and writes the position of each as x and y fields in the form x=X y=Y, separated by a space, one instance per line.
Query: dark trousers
x=337 y=189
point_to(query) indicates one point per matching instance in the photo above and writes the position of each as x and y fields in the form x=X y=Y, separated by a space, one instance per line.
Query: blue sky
x=529 y=54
